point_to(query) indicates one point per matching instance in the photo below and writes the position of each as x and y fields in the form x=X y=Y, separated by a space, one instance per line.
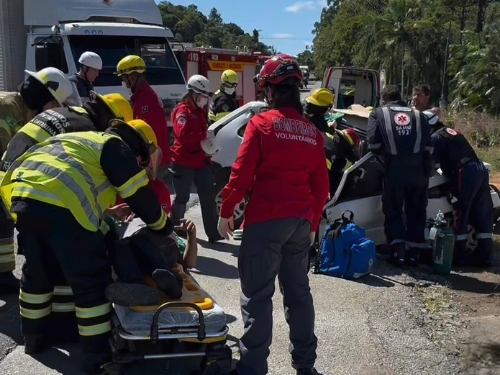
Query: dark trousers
x=474 y=207
x=55 y=242
x=133 y=259
x=183 y=178
x=405 y=194
x=7 y=249
x=269 y=249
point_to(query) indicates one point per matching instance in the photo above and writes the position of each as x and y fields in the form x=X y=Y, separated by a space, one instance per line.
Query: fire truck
x=211 y=62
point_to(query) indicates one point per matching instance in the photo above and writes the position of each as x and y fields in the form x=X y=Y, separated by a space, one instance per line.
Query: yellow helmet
x=117 y=104
x=147 y=133
x=147 y=147
x=229 y=78
x=130 y=64
x=321 y=97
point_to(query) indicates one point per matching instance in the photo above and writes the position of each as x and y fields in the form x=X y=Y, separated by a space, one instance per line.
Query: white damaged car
x=359 y=191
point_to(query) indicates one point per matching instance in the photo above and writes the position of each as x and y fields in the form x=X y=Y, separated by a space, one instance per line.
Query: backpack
x=345 y=251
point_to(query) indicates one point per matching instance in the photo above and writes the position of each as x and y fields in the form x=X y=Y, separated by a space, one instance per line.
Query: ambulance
x=211 y=62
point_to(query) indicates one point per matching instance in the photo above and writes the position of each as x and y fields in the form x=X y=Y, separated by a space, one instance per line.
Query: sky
x=285 y=24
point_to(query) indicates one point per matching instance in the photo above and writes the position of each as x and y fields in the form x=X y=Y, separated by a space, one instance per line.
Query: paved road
x=364 y=328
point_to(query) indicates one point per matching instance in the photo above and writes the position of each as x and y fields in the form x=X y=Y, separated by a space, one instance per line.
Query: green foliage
x=410 y=40
x=306 y=58
x=189 y=25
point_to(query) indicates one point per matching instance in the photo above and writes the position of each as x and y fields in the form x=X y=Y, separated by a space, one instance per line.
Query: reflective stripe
x=63 y=291
x=63 y=307
x=6 y=249
x=461 y=237
x=35 y=299
x=388 y=131
x=418 y=140
x=35 y=314
x=97 y=329
x=374 y=146
x=160 y=223
x=36 y=132
x=328 y=164
x=7 y=258
x=430 y=149
x=93 y=312
x=482 y=236
x=396 y=241
x=67 y=180
x=437 y=165
x=130 y=187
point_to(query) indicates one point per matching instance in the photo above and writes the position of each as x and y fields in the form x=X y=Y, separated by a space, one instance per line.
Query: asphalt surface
x=373 y=326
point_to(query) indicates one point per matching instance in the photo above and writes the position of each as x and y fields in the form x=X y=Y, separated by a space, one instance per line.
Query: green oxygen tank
x=443 y=241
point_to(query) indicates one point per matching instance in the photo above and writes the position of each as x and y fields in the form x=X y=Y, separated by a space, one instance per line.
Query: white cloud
x=301 y=5
x=282 y=36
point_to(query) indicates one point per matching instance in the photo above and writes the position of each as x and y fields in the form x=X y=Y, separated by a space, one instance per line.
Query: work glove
x=226 y=227
x=313 y=238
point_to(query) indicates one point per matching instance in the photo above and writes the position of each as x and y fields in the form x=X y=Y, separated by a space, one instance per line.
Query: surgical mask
x=202 y=102
x=229 y=90
x=129 y=91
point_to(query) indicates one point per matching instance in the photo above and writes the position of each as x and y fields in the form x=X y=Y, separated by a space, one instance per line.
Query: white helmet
x=91 y=59
x=55 y=81
x=210 y=144
x=200 y=85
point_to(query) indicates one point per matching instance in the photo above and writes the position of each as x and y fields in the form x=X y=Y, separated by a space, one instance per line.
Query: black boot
x=35 y=344
x=398 y=254
x=413 y=256
x=133 y=294
x=307 y=371
x=215 y=239
x=169 y=282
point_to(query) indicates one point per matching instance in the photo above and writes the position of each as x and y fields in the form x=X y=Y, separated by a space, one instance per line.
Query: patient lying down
x=143 y=256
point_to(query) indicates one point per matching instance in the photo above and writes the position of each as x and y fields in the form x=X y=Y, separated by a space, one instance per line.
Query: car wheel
x=220 y=182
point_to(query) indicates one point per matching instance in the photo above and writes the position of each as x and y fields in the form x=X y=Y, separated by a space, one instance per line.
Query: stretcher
x=192 y=329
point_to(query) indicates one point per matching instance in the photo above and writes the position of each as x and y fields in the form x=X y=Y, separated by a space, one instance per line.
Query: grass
x=435 y=298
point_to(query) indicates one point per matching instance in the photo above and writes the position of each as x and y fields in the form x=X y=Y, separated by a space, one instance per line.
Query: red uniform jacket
x=162 y=193
x=281 y=163
x=190 y=128
x=147 y=106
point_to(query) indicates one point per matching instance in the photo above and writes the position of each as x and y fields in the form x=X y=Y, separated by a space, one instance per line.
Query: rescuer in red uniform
x=189 y=162
x=146 y=104
x=283 y=211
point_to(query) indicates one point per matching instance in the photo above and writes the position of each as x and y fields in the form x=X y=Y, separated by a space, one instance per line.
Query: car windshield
x=162 y=67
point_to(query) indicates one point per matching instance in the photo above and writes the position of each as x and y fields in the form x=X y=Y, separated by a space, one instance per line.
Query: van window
x=161 y=65
x=49 y=52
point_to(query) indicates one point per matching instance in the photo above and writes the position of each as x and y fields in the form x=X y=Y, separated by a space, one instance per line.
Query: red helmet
x=352 y=137
x=280 y=69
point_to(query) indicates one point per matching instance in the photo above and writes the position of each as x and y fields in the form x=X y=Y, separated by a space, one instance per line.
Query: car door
x=360 y=191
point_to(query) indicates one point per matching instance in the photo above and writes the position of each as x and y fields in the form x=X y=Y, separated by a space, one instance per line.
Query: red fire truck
x=211 y=62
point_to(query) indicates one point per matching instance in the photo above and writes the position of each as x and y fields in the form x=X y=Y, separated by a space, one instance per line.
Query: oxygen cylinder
x=443 y=241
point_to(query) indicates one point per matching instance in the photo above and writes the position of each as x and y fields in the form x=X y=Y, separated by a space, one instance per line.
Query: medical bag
x=345 y=251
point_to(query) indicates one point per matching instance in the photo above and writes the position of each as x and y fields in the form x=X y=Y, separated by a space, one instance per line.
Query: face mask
x=229 y=90
x=124 y=85
x=202 y=102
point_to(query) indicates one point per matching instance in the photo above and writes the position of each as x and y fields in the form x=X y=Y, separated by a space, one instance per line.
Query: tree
x=307 y=58
x=189 y=25
x=410 y=39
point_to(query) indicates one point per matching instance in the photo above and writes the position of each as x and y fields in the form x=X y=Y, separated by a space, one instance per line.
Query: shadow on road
x=216 y=268
x=220 y=246
x=66 y=360
x=10 y=323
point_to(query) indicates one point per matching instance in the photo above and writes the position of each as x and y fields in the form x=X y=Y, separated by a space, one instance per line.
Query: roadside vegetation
x=452 y=45
x=189 y=25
